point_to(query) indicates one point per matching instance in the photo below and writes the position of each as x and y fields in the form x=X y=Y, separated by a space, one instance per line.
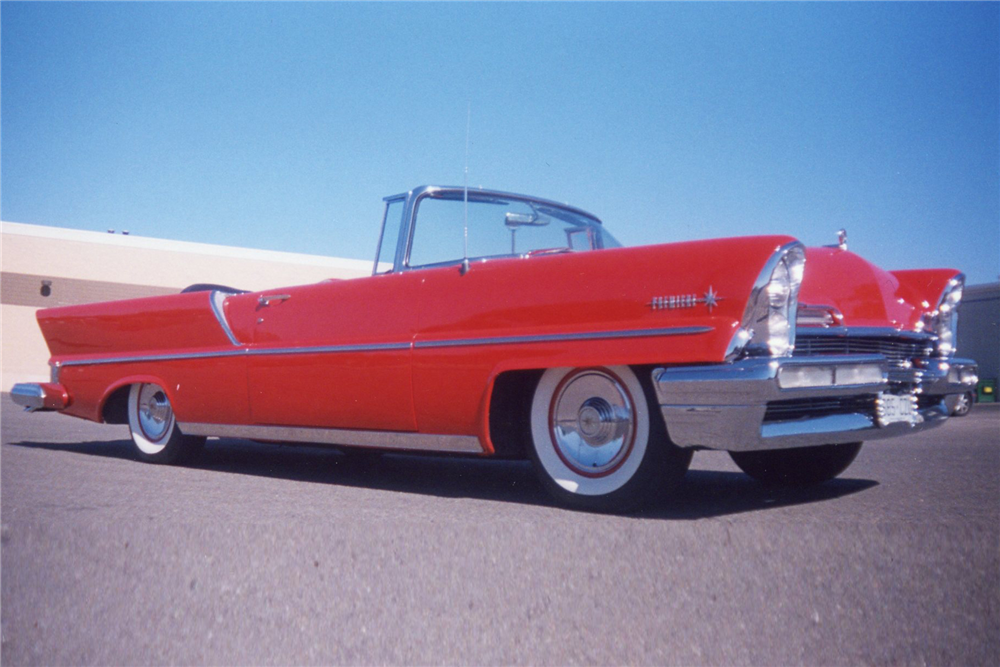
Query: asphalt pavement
x=267 y=554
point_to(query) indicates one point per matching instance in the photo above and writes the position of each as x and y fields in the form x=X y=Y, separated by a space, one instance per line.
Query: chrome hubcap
x=155 y=413
x=592 y=422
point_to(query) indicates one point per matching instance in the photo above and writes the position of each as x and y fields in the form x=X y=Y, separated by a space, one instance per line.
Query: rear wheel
x=800 y=466
x=154 y=428
x=596 y=444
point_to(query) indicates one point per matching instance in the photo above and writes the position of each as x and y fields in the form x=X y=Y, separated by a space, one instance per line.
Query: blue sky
x=281 y=126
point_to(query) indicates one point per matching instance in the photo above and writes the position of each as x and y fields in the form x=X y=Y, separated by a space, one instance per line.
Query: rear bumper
x=763 y=403
x=40 y=397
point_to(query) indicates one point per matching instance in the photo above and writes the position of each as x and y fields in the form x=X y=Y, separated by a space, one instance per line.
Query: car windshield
x=499 y=227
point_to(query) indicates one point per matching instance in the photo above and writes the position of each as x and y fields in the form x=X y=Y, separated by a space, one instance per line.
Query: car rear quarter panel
x=150 y=327
x=153 y=324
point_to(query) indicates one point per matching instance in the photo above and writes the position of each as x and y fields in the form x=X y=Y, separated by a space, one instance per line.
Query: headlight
x=771 y=310
x=944 y=320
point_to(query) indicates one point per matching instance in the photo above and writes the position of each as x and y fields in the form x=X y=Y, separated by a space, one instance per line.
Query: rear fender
x=128 y=381
x=138 y=326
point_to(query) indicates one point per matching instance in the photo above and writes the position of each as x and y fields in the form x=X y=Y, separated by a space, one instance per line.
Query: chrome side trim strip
x=422 y=442
x=154 y=357
x=217 y=299
x=549 y=338
x=383 y=347
x=242 y=352
x=328 y=349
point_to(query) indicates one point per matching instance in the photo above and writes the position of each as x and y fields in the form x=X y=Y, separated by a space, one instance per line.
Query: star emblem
x=712 y=298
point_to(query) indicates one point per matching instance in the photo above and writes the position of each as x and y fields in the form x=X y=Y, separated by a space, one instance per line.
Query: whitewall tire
x=595 y=442
x=155 y=434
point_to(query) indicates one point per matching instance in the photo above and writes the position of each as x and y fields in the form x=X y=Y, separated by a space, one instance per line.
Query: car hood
x=866 y=295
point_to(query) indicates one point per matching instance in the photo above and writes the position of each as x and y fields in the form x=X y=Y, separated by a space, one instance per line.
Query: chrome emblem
x=674 y=301
x=712 y=298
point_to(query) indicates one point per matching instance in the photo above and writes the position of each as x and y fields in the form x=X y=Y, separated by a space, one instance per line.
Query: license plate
x=893 y=409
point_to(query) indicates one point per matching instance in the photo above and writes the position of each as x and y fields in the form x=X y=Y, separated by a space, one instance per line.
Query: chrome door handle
x=266 y=299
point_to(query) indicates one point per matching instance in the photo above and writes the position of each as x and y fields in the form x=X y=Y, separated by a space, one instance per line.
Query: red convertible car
x=497 y=324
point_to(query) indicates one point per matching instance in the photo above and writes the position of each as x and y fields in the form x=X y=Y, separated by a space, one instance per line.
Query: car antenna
x=465 y=221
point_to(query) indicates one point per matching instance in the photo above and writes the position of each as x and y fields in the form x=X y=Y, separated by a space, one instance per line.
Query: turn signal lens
x=798 y=377
x=806 y=376
x=859 y=374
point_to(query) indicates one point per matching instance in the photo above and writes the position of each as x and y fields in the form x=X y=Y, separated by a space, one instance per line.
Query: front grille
x=897 y=351
x=801 y=408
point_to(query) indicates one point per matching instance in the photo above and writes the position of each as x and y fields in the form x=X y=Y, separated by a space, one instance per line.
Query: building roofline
x=191 y=247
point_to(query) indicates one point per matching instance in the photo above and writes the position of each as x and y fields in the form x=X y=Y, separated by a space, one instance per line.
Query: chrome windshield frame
x=389 y=201
x=412 y=201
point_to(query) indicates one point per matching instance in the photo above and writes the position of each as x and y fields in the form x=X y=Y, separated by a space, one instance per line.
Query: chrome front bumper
x=764 y=403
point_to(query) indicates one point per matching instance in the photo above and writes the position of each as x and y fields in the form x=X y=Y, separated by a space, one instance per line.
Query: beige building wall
x=47 y=266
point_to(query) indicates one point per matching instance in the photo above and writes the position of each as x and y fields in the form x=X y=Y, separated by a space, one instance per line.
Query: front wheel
x=595 y=443
x=963 y=404
x=155 y=434
x=800 y=466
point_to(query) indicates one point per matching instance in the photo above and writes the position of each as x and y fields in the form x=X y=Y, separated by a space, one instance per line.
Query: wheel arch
x=113 y=406
x=508 y=407
x=508 y=412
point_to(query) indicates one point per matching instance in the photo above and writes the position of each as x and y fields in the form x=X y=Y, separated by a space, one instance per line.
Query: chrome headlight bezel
x=943 y=320
x=773 y=305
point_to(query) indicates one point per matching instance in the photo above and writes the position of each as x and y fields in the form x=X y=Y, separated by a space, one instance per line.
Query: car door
x=335 y=354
